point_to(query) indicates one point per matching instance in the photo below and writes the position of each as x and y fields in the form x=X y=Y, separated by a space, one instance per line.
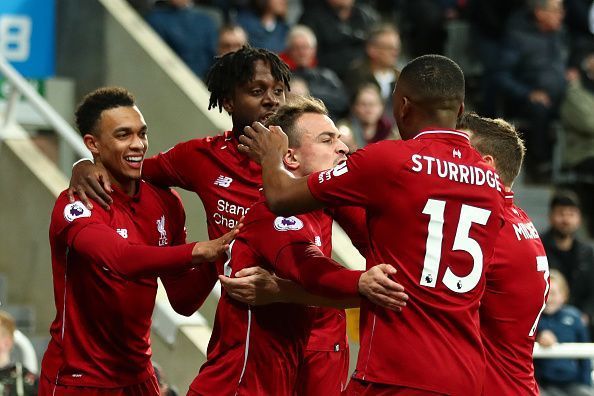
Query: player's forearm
x=316 y=273
x=291 y=292
x=130 y=260
x=285 y=194
x=188 y=290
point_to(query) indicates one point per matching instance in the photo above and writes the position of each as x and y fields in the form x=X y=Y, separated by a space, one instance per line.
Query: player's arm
x=257 y=286
x=320 y=275
x=90 y=180
x=187 y=290
x=285 y=194
x=100 y=244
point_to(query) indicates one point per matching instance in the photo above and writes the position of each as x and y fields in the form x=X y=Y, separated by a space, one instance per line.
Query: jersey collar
x=450 y=134
x=509 y=198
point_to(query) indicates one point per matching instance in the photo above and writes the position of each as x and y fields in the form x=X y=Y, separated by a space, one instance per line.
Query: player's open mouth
x=134 y=161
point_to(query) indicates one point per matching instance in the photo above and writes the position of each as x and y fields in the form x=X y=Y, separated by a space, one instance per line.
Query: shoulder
x=571 y=312
x=66 y=212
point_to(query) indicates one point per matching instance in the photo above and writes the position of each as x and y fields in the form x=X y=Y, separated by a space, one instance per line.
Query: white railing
x=20 y=87
x=566 y=350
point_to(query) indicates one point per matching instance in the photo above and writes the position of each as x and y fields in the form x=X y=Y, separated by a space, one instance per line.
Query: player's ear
x=91 y=143
x=228 y=105
x=461 y=110
x=291 y=160
x=489 y=160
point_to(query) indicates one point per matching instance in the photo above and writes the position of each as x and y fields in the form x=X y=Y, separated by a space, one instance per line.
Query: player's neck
x=127 y=186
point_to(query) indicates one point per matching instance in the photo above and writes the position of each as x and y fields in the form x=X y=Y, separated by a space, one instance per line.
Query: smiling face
x=256 y=100
x=320 y=146
x=120 y=143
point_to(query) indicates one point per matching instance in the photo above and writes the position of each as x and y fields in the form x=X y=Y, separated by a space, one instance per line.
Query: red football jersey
x=433 y=209
x=100 y=336
x=228 y=184
x=517 y=285
x=257 y=350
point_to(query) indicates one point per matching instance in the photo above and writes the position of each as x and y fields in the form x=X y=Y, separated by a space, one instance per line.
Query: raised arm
x=285 y=194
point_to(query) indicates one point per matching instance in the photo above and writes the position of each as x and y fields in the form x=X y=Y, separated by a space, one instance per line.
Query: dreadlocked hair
x=237 y=68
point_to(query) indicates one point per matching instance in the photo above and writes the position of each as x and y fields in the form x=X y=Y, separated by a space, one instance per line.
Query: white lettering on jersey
x=287 y=223
x=338 y=170
x=456 y=153
x=224 y=209
x=162 y=231
x=460 y=173
x=75 y=211
x=526 y=230
x=123 y=232
x=318 y=241
x=223 y=181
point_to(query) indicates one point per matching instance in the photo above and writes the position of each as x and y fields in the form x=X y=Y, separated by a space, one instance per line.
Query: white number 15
x=468 y=215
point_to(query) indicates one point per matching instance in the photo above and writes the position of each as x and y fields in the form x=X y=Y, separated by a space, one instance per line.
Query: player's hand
x=90 y=180
x=376 y=285
x=546 y=338
x=253 y=286
x=209 y=251
x=259 y=142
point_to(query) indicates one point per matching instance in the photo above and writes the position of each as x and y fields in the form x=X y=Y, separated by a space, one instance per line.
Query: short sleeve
x=354 y=182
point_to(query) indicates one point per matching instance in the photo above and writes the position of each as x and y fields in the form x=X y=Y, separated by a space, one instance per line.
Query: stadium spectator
x=341 y=27
x=517 y=275
x=366 y=120
x=579 y=20
x=296 y=248
x=392 y=181
x=231 y=38
x=570 y=254
x=531 y=77
x=379 y=65
x=577 y=119
x=424 y=25
x=191 y=34
x=250 y=84
x=562 y=323
x=105 y=264
x=323 y=83
x=488 y=20
x=264 y=22
x=15 y=379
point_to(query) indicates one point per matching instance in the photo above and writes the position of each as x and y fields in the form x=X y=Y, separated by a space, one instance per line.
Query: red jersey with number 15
x=517 y=285
x=433 y=211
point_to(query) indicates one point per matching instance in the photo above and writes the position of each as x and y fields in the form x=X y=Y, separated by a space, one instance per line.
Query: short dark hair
x=237 y=68
x=498 y=138
x=433 y=80
x=380 y=29
x=564 y=198
x=287 y=115
x=93 y=104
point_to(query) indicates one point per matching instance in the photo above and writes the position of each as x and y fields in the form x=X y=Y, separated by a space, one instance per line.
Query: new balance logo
x=223 y=181
x=123 y=232
x=456 y=153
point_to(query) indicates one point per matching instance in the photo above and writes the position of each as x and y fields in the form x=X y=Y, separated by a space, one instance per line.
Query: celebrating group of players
x=453 y=288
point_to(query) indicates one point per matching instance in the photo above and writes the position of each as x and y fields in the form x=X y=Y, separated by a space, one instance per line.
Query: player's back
x=433 y=209
x=517 y=283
